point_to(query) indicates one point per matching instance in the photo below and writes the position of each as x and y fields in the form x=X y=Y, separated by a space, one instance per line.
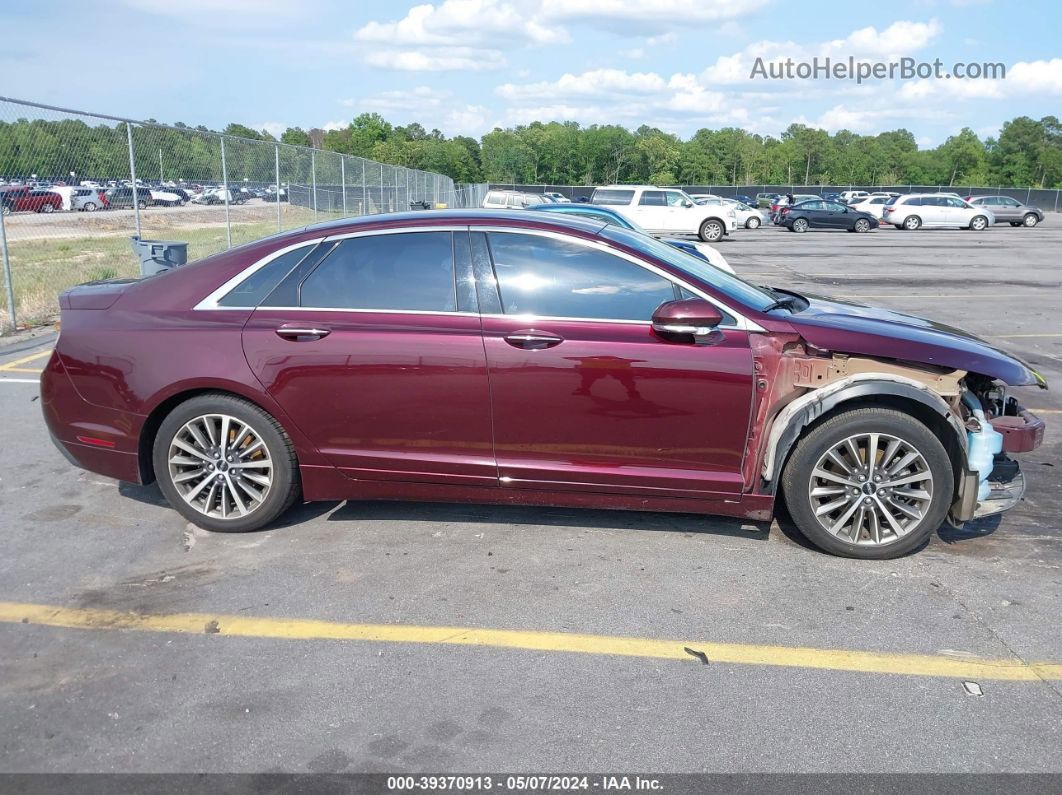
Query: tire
x=179 y=203
x=711 y=230
x=47 y=208
x=861 y=226
x=800 y=225
x=6 y=210
x=269 y=470
x=912 y=223
x=142 y=204
x=1030 y=220
x=1017 y=223
x=861 y=531
x=978 y=223
x=753 y=223
x=89 y=207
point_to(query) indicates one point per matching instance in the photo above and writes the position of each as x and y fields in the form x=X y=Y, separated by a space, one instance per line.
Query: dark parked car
x=123 y=197
x=28 y=200
x=1009 y=211
x=746 y=200
x=819 y=214
x=529 y=357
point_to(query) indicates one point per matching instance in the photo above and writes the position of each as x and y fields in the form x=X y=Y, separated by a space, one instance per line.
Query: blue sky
x=466 y=66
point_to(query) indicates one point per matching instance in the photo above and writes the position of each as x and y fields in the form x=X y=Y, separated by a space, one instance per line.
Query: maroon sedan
x=528 y=358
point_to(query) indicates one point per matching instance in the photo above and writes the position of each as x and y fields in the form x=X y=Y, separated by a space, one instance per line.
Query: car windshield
x=741 y=291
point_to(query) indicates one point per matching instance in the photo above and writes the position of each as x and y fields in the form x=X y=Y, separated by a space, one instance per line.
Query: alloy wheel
x=1031 y=220
x=978 y=223
x=871 y=489
x=220 y=466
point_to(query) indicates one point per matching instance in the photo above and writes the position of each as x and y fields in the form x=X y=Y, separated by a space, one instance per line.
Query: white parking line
x=20 y=380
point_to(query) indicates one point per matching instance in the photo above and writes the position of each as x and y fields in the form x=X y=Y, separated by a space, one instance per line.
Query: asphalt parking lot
x=425 y=637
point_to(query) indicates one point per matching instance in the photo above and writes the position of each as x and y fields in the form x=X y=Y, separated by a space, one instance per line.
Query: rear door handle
x=302 y=333
x=530 y=340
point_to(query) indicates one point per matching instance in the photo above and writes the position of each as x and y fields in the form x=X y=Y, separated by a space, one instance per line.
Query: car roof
x=456 y=216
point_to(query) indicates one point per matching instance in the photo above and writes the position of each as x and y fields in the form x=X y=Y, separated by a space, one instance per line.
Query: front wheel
x=89 y=207
x=711 y=230
x=978 y=223
x=752 y=223
x=868 y=483
x=224 y=464
x=1031 y=220
x=47 y=208
x=142 y=204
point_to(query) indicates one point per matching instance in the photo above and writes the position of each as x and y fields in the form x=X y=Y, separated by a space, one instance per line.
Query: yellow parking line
x=19 y=370
x=531 y=640
x=24 y=360
x=1046 y=411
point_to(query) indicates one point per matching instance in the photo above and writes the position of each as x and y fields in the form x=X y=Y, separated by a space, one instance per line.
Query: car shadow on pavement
x=355 y=511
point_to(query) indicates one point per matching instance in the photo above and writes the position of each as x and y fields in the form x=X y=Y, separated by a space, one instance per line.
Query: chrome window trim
x=741 y=322
x=210 y=302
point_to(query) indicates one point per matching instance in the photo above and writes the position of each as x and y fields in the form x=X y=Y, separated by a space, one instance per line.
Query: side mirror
x=687 y=203
x=690 y=317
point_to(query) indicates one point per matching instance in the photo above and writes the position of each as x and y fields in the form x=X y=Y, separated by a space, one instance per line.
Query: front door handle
x=530 y=340
x=302 y=333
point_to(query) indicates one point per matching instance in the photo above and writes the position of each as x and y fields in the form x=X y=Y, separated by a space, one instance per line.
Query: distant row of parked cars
x=91 y=196
x=859 y=211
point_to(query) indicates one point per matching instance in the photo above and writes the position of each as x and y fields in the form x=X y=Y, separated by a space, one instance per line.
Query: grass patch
x=42 y=268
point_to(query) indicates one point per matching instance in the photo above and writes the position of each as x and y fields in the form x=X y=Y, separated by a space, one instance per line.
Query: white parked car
x=560 y=198
x=916 y=210
x=510 y=200
x=166 y=198
x=748 y=217
x=851 y=197
x=874 y=205
x=667 y=211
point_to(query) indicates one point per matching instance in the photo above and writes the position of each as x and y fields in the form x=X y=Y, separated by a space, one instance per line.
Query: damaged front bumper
x=1022 y=431
x=1007 y=487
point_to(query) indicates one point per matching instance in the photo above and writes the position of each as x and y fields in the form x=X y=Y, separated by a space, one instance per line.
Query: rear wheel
x=711 y=230
x=752 y=223
x=1031 y=220
x=912 y=222
x=978 y=223
x=868 y=483
x=47 y=208
x=862 y=225
x=224 y=464
x=142 y=204
x=800 y=225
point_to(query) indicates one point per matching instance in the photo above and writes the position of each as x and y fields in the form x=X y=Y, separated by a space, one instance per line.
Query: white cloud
x=593 y=84
x=448 y=59
x=274 y=128
x=900 y=38
x=1025 y=78
x=419 y=40
x=431 y=107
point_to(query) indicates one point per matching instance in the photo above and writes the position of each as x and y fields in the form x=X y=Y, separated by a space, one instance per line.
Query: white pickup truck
x=667 y=211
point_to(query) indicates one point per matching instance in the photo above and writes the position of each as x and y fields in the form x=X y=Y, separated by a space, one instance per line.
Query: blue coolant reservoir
x=983 y=446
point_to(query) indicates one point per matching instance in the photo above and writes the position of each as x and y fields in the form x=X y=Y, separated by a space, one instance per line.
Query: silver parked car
x=1008 y=210
x=87 y=199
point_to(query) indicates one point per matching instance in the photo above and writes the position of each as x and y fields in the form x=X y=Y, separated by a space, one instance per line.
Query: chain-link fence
x=75 y=186
x=1047 y=199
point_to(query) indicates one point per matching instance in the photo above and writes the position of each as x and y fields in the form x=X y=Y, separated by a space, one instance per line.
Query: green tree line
x=1027 y=152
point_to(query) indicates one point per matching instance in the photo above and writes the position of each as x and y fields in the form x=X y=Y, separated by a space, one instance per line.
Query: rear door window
x=652 y=198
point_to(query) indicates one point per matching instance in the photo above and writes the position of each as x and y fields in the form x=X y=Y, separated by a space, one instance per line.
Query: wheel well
x=154 y=420
x=920 y=411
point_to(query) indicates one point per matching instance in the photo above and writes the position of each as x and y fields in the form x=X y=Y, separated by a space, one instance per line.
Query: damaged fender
x=792 y=419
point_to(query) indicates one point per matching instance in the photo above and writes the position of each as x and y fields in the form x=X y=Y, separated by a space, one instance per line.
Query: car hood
x=848 y=327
